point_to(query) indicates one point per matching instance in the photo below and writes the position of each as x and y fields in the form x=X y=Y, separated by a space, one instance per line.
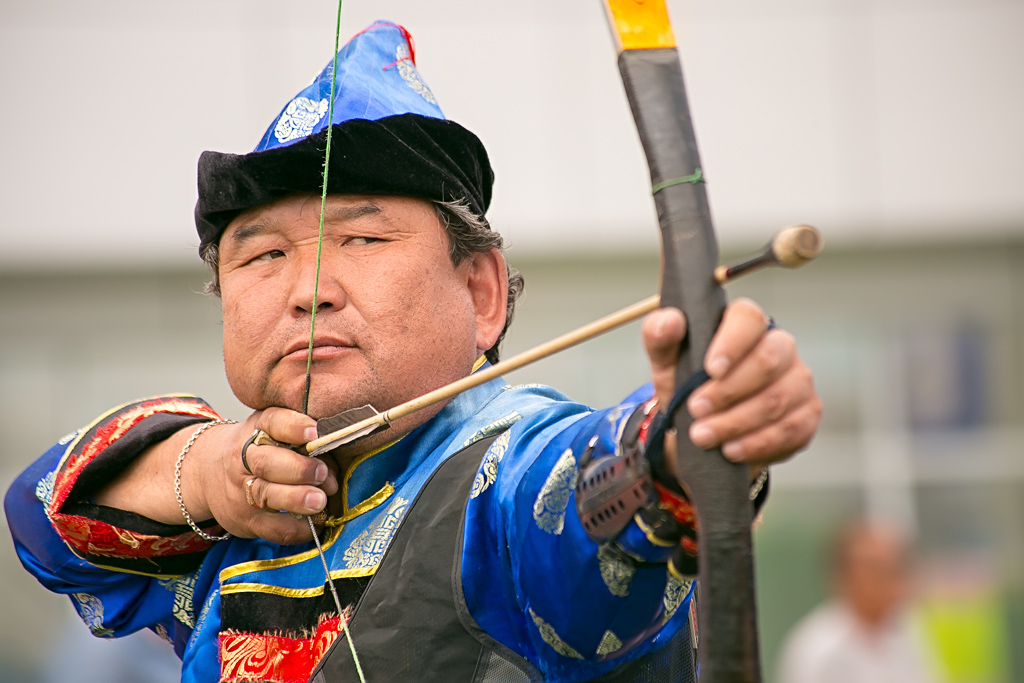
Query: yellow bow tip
x=640 y=24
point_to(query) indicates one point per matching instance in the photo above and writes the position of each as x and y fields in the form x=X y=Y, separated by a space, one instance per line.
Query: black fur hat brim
x=407 y=154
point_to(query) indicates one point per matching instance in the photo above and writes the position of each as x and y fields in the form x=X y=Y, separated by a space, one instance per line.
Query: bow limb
x=653 y=79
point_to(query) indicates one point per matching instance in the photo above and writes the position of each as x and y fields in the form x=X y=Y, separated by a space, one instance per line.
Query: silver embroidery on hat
x=410 y=75
x=299 y=118
x=44 y=488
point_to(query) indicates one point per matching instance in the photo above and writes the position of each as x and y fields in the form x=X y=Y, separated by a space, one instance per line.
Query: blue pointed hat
x=377 y=78
x=389 y=137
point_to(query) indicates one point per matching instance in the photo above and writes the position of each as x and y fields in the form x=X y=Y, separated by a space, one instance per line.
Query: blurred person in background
x=863 y=633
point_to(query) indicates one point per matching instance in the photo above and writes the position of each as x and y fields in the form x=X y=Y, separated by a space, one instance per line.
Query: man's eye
x=272 y=254
x=364 y=240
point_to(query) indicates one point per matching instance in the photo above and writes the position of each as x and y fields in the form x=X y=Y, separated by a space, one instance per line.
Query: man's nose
x=307 y=283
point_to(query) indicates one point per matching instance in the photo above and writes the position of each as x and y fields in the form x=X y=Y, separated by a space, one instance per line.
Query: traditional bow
x=653 y=78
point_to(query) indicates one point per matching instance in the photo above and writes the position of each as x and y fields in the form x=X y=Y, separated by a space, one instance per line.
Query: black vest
x=412 y=623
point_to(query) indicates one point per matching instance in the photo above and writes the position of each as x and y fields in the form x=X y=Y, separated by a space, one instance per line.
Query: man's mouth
x=324 y=348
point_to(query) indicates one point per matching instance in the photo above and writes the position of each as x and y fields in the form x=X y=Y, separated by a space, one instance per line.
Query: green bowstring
x=312 y=331
x=694 y=178
x=323 y=207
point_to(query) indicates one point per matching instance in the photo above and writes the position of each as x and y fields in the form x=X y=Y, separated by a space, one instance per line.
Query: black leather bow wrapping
x=727 y=617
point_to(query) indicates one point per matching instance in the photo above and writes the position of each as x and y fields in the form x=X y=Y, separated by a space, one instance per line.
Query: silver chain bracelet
x=177 y=478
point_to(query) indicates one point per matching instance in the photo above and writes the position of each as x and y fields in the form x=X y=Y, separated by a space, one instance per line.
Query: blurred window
x=945 y=381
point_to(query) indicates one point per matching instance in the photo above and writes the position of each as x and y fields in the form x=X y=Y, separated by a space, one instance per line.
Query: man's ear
x=487 y=281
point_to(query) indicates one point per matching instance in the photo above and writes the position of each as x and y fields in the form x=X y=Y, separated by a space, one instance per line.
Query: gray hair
x=467 y=233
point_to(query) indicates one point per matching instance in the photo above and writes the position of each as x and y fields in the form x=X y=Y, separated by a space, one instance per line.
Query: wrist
x=193 y=473
x=202 y=474
x=199 y=507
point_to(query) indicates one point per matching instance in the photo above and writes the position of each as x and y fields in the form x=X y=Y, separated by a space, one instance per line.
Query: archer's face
x=394 y=318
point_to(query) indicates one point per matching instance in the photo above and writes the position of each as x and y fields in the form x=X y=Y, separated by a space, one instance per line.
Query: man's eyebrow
x=342 y=214
x=246 y=232
x=351 y=213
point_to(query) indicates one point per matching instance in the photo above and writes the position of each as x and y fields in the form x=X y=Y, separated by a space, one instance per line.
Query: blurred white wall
x=896 y=120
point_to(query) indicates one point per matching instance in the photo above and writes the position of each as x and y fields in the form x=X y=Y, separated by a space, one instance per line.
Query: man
x=863 y=633
x=452 y=538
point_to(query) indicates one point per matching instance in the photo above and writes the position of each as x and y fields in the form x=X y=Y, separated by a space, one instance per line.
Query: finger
x=330 y=485
x=780 y=440
x=773 y=356
x=280 y=527
x=663 y=332
x=282 y=466
x=756 y=412
x=743 y=325
x=302 y=500
x=287 y=426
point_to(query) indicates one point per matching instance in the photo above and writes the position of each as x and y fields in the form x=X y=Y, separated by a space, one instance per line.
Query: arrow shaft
x=567 y=340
